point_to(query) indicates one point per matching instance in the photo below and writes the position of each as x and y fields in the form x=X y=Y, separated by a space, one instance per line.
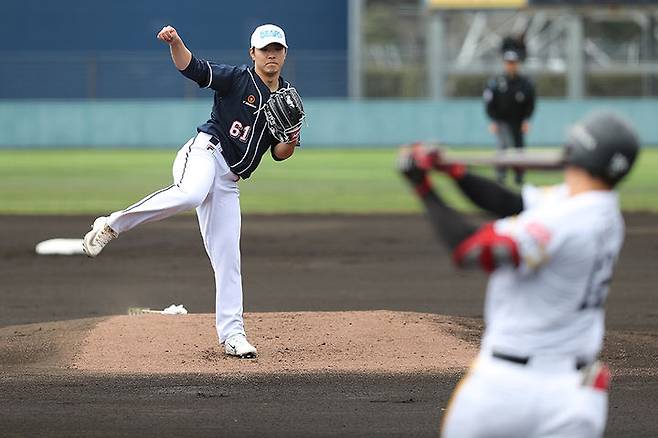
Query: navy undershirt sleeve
x=198 y=71
x=207 y=74
x=490 y=196
x=449 y=225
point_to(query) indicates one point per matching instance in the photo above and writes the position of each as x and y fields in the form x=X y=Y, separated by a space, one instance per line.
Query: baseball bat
x=518 y=159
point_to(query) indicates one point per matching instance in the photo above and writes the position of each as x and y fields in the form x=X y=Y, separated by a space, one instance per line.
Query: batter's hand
x=431 y=157
x=169 y=35
x=454 y=169
x=415 y=162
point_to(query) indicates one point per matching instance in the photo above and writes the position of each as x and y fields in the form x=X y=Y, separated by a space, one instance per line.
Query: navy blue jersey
x=236 y=120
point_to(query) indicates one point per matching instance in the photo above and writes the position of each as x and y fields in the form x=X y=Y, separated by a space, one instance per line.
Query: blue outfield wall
x=84 y=60
x=331 y=123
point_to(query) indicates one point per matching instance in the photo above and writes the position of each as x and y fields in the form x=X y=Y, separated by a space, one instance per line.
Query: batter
x=551 y=261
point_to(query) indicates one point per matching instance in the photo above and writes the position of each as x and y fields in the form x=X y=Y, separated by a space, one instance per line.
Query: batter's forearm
x=450 y=225
x=490 y=196
x=180 y=54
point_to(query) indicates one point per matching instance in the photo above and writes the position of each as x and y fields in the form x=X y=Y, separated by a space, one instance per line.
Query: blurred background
x=79 y=75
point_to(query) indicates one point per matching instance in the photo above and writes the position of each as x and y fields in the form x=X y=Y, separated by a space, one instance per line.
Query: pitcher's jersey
x=236 y=118
x=553 y=302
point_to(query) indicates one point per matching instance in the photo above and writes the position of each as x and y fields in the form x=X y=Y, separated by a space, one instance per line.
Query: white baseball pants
x=503 y=399
x=202 y=180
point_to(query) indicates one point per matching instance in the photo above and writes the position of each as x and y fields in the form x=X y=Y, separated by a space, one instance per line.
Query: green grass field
x=314 y=181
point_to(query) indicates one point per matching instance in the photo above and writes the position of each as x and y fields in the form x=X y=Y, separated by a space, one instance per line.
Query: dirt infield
x=377 y=342
x=307 y=278
x=291 y=342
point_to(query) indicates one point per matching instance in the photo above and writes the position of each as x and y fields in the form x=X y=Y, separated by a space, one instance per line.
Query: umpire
x=510 y=101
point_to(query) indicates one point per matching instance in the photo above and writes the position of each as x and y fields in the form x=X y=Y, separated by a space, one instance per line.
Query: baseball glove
x=284 y=113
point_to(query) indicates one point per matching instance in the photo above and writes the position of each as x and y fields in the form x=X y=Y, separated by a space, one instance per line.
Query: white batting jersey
x=553 y=302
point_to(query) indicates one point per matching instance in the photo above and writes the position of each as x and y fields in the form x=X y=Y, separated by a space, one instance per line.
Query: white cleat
x=237 y=345
x=99 y=236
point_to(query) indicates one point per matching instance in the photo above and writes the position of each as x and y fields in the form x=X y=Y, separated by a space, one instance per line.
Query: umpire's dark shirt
x=510 y=99
x=235 y=118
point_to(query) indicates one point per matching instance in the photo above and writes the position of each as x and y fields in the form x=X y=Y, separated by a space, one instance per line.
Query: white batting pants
x=202 y=180
x=500 y=399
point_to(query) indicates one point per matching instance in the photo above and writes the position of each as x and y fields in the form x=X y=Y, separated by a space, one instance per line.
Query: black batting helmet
x=603 y=144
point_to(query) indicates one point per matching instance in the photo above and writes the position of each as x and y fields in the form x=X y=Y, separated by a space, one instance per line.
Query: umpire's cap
x=513 y=48
x=603 y=144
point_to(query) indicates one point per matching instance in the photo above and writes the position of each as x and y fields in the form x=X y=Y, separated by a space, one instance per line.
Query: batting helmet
x=603 y=144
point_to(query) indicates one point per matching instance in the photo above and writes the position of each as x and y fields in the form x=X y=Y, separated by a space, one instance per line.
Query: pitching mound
x=302 y=342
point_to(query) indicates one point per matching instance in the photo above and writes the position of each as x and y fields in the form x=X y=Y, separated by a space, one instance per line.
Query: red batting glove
x=414 y=165
x=454 y=170
x=425 y=158
x=428 y=158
